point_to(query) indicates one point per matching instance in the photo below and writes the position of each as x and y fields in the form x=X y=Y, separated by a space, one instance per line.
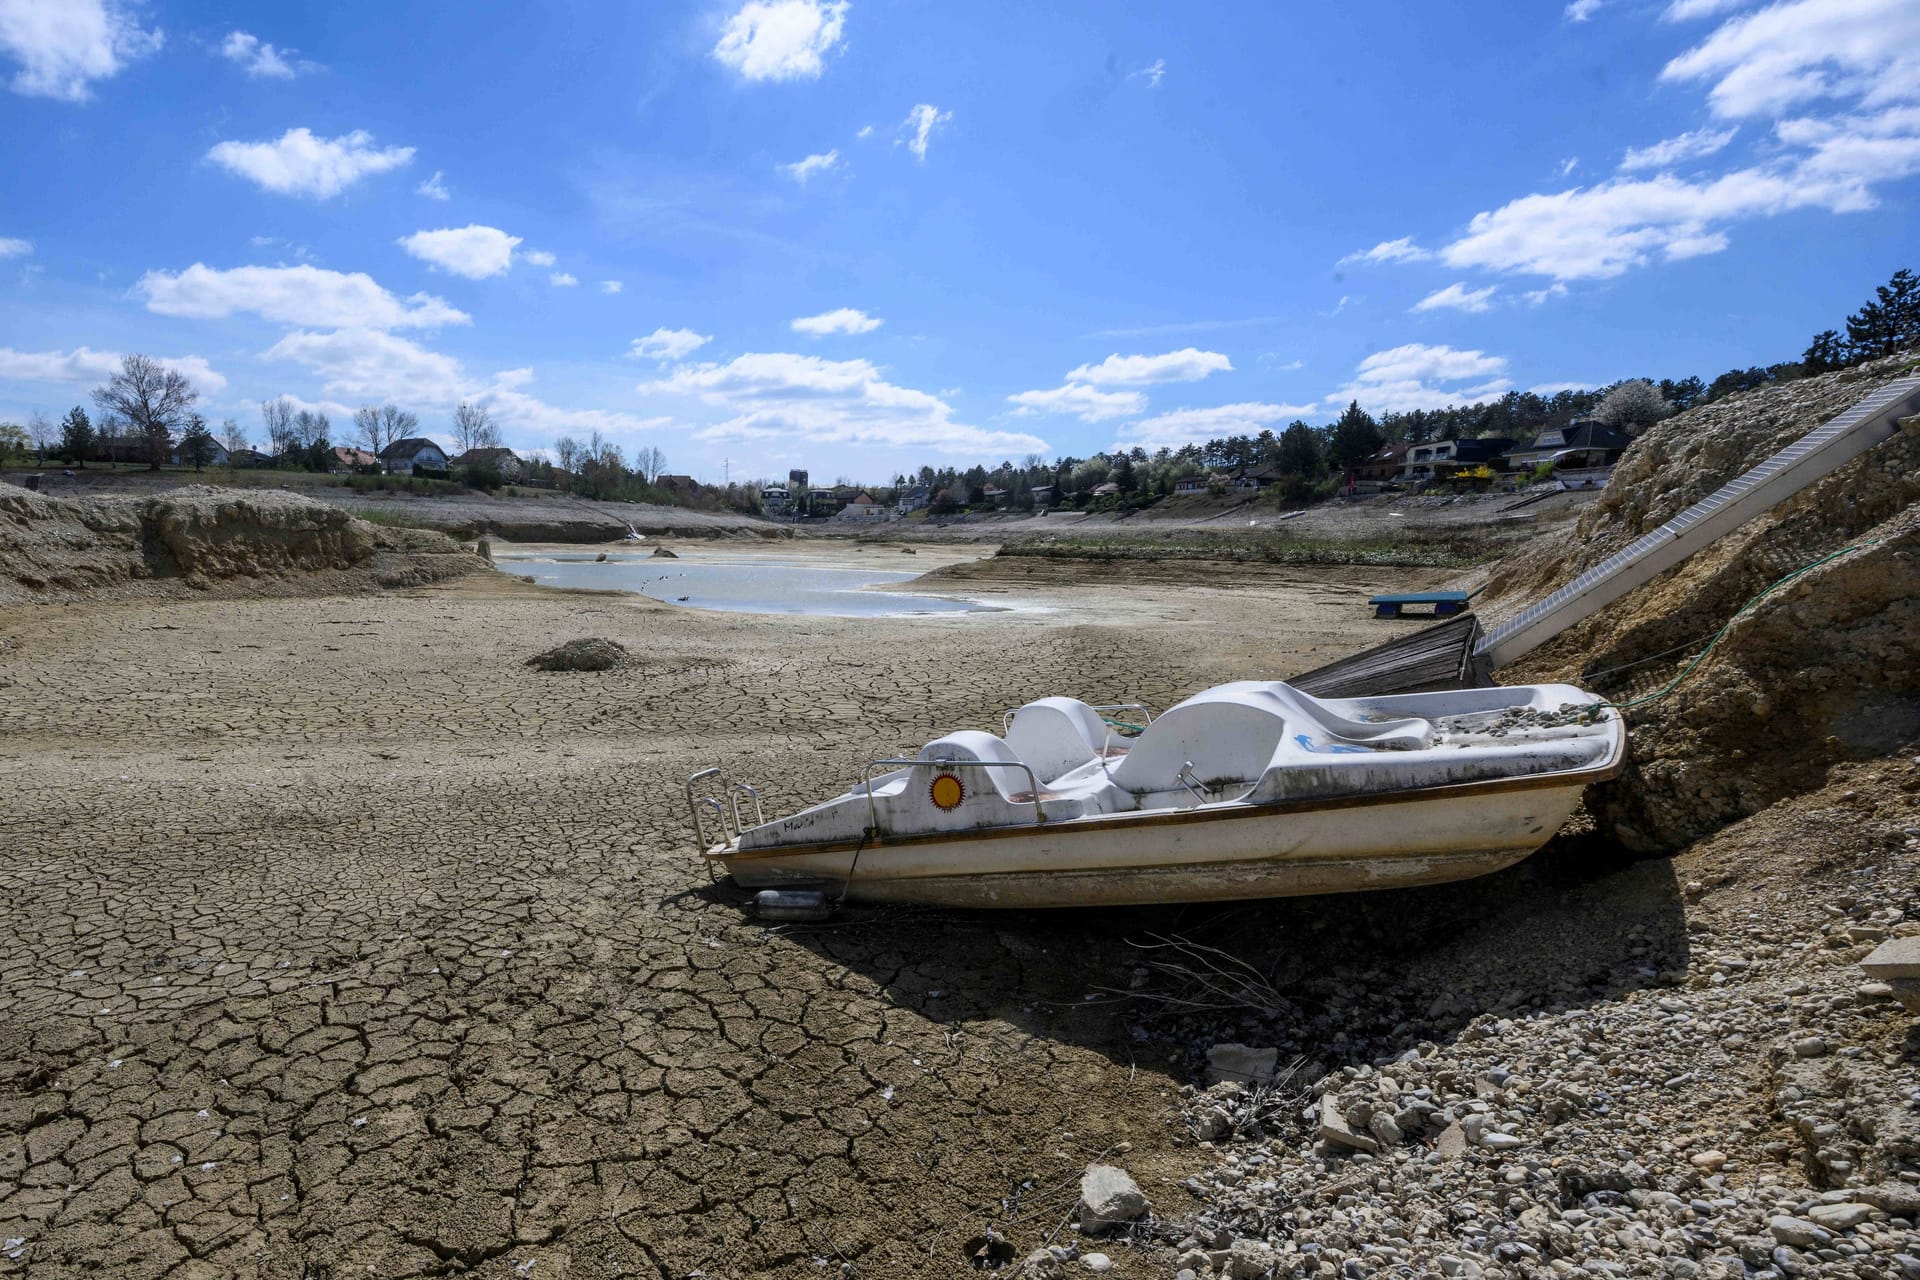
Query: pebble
x=1097 y=1262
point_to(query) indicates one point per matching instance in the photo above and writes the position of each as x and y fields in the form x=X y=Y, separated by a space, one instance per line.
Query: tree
x=233 y=436
x=1354 y=438
x=150 y=396
x=15 y=443
x=1889 y=323
x=378 y=426
x=1825 y=353
x=277 y=416
x=567 y=450
x=1636 y=403
x=42 y=432
x=1684 y=393
x=1300 y=452
x=473 y=427
x=197 y=443
x=309 y=428
x=649 y=461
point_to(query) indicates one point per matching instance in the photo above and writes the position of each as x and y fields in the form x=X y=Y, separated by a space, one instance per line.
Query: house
x=681 y=486
x=248 y=458
x=349 y=461
x=1442 y=460
x=1107 y=490
x=216 y=454
x=862 y=507
x=1382 y=466
x=912 y=499
x=1042 y=496
x=505 y=461
x=995 y=494
x=822 y=501
x=413 y=454
x=1252 y=481
x=775 y=500
x=1201 y=483
x=1582 y=453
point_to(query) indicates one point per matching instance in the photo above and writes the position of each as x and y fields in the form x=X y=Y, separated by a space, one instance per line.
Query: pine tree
x=1889 y=323
x=76 y=436
x=1354 y=438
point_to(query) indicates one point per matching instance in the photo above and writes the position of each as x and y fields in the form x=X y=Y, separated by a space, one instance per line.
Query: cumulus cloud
x=1189 y=426
x=1457 y=297
x=801 y=170
x=1419 y=376
x=83 y=364
x=917 y=129
x=63 y=46
x=1186 y=365
x=787 y=398
x=781 y=39
x=433 y=188
x=539 y=257
x=473 y=251
x=1691 y=145
x=1401 y=250
x=563 y=279
x=1801 y=51
x=668 y=344
x=1089 y=404
x=611 y=286
x=300 y=295
x=12 y=247
x=842 y=320
x=258 y=58
x=1582 y=10
x=300 y=164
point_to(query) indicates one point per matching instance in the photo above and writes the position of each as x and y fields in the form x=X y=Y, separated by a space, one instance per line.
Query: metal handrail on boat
x=734 y=791
x=694 y=804
x=873 y=810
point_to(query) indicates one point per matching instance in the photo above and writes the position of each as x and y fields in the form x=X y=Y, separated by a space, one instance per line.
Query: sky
x=857 y=237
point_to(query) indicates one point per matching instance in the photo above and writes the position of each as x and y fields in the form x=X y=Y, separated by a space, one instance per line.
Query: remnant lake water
x=740 y=583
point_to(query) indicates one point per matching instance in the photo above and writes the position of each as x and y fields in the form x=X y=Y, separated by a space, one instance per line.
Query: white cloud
x=866 y=131
x=668 y=344
x=1190 y=426
x=1687 y=146
x=1554 y=388
x=786 y=398
x=1417 y=376
x=433 y=188
x=801 y=170
x=299 y=295
x=843 y=320
x=1802 y=51
x=1568 y=165
x=539 y=257
x=1151 y=74
x=1535 y=297
x=83 y=364
x=1681 y=10
x=781 y=39
x=63 y=46
x=611 y=286
x=258 y=58
x=1401 y=250
x=1186 y=365
x=12 y=247
x=1082 y=401
x=367 y=362
x=515 y=408
x=473 y=251
x=1456 y=297
x=920 y=123
x=1581 y=10
x=297 y=163
x=563 y=279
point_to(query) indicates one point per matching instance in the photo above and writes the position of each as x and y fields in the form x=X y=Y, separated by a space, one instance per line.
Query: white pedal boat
x=1248 y=790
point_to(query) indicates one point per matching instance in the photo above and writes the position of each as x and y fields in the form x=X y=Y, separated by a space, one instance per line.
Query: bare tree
x=233 y=436
x=568 y=450
x=379 y=426
x=473 y=427
x=649 y=461
x=278 y=416
x=152 y=397
x=44 y=434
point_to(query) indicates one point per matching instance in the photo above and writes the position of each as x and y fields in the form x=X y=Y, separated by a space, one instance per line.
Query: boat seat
x=1054 y=736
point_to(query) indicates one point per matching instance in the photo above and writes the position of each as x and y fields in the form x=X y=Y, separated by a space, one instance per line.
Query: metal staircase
x=1818 y=453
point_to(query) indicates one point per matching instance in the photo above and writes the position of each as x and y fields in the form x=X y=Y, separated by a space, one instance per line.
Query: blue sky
x=860 y=236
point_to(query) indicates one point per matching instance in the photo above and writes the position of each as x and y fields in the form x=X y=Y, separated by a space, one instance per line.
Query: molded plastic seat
x=1056 y=735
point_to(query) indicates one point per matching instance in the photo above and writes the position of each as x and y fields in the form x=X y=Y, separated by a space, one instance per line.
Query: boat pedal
x=792 y=904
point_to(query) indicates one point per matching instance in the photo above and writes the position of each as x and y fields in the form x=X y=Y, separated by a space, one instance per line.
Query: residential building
x=216 y=454
x=1582 y=453
x=776 y=500
x=1443 y=460
x=505 y=461
x=348 y=460
x=1382 y=466
x=862 y=507
x=415 y=453
x=912 y=498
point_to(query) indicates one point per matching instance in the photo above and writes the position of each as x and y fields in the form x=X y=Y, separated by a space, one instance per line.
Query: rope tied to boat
x=1122 y=724
x=1593 y=711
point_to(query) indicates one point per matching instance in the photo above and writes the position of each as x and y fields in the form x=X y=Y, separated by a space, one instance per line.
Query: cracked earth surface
x=339 y=943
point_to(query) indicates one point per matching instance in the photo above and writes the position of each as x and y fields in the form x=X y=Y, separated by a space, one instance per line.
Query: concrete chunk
x=1109 y=1197
x=1335 y=1129
x=1894 y=958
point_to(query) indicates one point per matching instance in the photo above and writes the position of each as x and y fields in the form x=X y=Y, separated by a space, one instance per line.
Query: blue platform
x=1445 y=603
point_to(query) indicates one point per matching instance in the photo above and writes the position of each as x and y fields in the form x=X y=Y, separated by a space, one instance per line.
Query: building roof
x=472 y=456
x=410 y=447
x=862 y=499
x=354 y=457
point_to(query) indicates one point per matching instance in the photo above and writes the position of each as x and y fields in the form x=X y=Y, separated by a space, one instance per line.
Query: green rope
x=1122 y=724
x=1594 y=711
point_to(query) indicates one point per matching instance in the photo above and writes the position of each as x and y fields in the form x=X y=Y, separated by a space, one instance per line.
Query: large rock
x=1894 y=958
x=1241 y=1064
x=1335 y=1129
x=1109 y=1197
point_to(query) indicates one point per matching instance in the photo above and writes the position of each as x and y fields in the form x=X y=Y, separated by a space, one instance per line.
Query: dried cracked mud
x=337 y=942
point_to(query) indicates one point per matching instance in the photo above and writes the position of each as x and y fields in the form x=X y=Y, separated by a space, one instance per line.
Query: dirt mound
x=1824 y=670
x=205 y=539
x=591 y=654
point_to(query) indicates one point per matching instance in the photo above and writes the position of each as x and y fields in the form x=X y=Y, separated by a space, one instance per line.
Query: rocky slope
x=206 y=540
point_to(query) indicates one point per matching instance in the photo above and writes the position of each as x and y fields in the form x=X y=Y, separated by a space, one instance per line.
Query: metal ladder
x=1819 y=453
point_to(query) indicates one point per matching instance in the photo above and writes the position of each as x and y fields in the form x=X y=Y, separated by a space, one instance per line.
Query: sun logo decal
x=946 y=792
